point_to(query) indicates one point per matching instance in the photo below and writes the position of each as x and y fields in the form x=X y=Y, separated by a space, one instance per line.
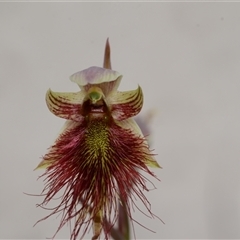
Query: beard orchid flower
x=96 y=160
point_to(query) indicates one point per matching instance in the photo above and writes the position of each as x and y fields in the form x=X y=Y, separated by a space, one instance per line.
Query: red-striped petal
x=126 y=104
x=65 y=105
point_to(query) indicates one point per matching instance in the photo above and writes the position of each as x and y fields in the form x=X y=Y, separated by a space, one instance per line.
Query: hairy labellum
x=97 y=158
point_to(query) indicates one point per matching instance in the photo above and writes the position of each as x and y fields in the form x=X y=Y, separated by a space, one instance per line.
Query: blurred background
x=185 y=56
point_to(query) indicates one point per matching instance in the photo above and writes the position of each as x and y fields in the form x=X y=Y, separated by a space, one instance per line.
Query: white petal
x=107 y=79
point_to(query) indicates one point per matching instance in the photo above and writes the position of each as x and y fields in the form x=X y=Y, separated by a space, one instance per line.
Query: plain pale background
x=186 y=57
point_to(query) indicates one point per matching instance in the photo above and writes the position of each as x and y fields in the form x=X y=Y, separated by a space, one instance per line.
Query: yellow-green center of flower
x=94 y=105
x=95 y=96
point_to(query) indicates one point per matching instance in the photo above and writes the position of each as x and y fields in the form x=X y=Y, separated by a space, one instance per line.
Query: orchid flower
x=97 y=158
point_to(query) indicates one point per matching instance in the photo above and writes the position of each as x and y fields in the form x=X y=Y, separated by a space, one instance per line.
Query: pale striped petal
x=126 y=104
x=65 y=105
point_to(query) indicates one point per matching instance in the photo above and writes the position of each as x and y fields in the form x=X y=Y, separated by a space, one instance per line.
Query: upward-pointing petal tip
x=107 y=56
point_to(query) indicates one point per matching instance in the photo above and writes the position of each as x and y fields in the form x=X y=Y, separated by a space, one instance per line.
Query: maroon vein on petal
x=126 y=104
x=65 y=105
